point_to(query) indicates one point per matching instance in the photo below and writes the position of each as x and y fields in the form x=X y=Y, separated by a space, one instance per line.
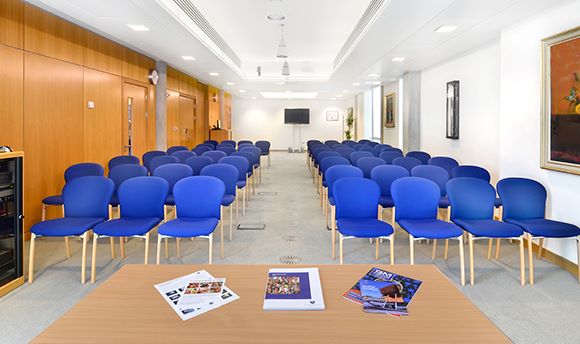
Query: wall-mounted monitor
x=296 y=116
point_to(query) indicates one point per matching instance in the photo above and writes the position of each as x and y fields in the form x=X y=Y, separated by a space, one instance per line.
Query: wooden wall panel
x=53 y=128
x=151 y=120
x=103 y=54
x=136 y=66
x=172 y=118
x=11 y=23
x=102 y=124
x=201 y=115
x=49 y=35
x=187 y=85
x=173 y=79
x=227 y=125
x=12 y=97
x=213 y=105
x=186 y=121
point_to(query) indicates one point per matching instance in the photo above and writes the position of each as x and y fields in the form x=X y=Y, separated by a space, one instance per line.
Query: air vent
x=372 y=12
x=290 y=259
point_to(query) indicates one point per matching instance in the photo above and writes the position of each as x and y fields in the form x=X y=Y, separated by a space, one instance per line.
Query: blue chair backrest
x=188 y=207
x=174 y=149
x=444 y=162
x=226 y=149
x=389 y=156
x=85 y=169
x=228 y=174
x=470 y=172
x=213 y=143
x=252 y=149
x=251 y=157
x=344 y=151
x=335 y=173
x=420 y=155
x=161 y=160
x=356 y=198
x=123 y=160
x=324 y=154
x=522 y=198
x=368 y=163
x=354 y=156
x=407 y=162
x=240 y=163
x=215 y=155
x=471 y=199
x=349 y=143
x=360 y=146
x=183 y=155
x=392 y=149
x=142 y=197
x=197 y=163
x=373 y=144
x=245 y=142
x=385 y=175
x=230 y=142
x=264 y=146
x=415 y=198
x=87 y=197
x=318 y=148
x=331 y=143
x=121 y=173
x=367 y=149
x=311 y=142
x=435 y=174
x=147 y=157
x=226 y=144
x=364 y=141
x=199 y=150
x=330 y=161
x=255 y=155
x=173 y=173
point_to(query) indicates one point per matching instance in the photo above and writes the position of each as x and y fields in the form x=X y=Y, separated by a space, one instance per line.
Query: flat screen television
x=296 y=116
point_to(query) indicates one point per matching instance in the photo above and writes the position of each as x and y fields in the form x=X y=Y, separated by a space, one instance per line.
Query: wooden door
x=173 y=138
x=186 y=121
x=134 y=119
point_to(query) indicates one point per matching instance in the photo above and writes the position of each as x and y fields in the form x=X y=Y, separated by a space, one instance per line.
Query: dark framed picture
x=452 y=96
x=389 y=110
x=560 y=124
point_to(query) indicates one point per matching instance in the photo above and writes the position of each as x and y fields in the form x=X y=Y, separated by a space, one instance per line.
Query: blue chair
x=226 y=144
x=384 y=176
x=339 y=146
x=174 y=149
x=86 y=204
x=373 y=144
x=437 y=175
x=468 y=171
x=390 y=155
x=215 y=155
x=344 y=151
x=444 y=162
x=123 y=160
x=182 y=156
x=244 y=142
x=196 y=216
x=257 y=159
x=407 y=162
x=313 y=153
x=349 y=143
x=141 y=200
x=172 y=173
x=161 y=160
x=147 y=157
x=265 y=147
x=392 y=150
x=368 y=163
x=325 y=164
x=357 y=215
x=416 y=202
x=364 y=141
x=228 y=149
x=228 y=174
x=354 y=156
x=251 y=157
x=472 y=209
x=122 y=173
x=197 y=163
x=360 y=146
x=231 y=142
x=367 y=148
x=524 y=204
x=420 y=155
x=242 y=164
x=331 y=143
x=211 y=142
x=199 y=150
x=318 y=156
x=84 y=169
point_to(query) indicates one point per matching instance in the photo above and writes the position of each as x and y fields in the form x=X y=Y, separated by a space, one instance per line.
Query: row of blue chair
x=226 y=146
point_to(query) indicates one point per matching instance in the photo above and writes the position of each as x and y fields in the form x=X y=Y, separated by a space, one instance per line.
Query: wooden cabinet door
x=186 y=121
x=134 y=119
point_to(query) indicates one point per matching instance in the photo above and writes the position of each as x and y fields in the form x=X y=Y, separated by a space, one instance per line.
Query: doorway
x=134 y=119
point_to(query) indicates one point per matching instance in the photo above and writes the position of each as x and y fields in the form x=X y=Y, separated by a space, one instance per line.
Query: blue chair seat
x=53 y=200
x=228 y=199
x=490 y=228
x=497 y=203
x=444 y=202
x=187 y=228
x=386 y=202
x=170 y=200
x=430 y=228
x=364 y=228
x=114 y=201
x=546 y=228
x=127 y=226
x=66 y=226
x=241 y=184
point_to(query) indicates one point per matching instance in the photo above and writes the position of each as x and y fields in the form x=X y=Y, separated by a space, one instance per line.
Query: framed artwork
x=389 y=110
x=560 y=126
x=332 y=115
x=452 y=115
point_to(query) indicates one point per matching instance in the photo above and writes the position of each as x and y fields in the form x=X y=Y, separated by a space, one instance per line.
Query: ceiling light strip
x=370 y=15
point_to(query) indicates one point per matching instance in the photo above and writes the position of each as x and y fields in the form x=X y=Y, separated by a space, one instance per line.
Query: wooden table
x=127 y=309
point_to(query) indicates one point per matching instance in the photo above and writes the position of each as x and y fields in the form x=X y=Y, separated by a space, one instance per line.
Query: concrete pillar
x=411 y=111
x=161 y=106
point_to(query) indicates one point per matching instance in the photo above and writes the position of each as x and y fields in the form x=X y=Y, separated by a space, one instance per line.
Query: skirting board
x=554 y=258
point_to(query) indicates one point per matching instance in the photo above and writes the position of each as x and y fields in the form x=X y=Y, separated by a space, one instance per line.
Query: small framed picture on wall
x=332 y=115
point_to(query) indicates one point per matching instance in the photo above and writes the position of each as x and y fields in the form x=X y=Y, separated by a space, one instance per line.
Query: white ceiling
x=316 y=31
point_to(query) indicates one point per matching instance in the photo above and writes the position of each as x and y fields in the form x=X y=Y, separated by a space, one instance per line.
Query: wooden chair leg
x=333 y=227
x=522 y=264
x=222 y=231
x=94 y=259
x=446 y=251
x=122 y=246
x=434 y=249
x=462 y=260
x=237 y=206
x=43 y=216
x=392 y=248
x=578 y=245
x=159 y=248
x=412 y=249
x=210 y=247
x=244 y=200
x=146 y=259
x=112 y=240
x=489 y=245
x=471 y=269
x=231 y=220
x=340 y=238
x=178 y=246
x=376 y=248
x=497 y=245
x=62 y=210
x=67 y=247
x=530 y=259
x=31 y=258
x=540 y=248
x=166 y=248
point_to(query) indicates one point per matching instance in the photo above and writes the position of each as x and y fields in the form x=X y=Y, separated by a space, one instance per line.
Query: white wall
x=479 y=114
x=520 y=116
x=264 y=120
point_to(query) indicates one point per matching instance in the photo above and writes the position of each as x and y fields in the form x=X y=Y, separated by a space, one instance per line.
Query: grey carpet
x=548 y=312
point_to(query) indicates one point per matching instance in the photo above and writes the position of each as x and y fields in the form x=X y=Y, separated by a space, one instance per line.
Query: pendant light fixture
x=285 y=69
x=282 y=51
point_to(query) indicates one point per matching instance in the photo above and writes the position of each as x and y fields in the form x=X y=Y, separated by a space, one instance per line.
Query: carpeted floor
x=548 y=312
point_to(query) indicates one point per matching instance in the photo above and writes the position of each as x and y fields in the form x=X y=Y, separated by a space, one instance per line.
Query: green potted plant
x=349 y=122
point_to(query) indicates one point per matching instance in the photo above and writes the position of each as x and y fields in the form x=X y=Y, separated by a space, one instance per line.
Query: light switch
x=91 y=104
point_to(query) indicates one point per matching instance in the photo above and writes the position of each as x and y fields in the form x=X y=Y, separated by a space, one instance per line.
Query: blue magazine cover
x=288 y=286
x=383 y=297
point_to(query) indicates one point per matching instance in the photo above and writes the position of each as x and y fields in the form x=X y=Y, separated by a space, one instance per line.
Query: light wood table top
x=127 y=308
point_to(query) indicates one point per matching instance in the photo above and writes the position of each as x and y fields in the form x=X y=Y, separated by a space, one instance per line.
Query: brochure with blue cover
x=293 y=289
